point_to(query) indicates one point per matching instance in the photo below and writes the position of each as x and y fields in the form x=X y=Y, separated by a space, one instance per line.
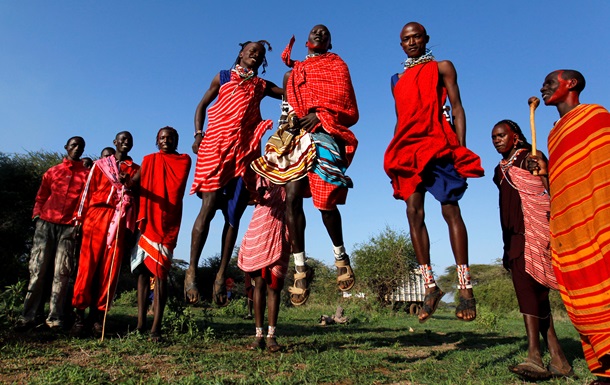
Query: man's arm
x=448 y=75
x=44 y=192
x=273 y=90
x=206 y=100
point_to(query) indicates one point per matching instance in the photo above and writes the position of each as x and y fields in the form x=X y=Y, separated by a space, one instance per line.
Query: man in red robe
x=107 y=213
x=320 y=91
x=429 y=154
x=162 y=178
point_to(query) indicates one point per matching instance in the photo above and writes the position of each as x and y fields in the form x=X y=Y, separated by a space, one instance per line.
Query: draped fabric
x=232 y=139
x=162 y=184
x=322 y=84
x=288 y=157
x=422 y=134
x=265 y=245
x=101 y=256
x=579 y=177
x=536 y=206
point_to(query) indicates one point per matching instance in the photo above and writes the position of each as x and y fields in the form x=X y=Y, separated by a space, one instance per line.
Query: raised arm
x=273 y=90
x=206 y=100
x=449 y=77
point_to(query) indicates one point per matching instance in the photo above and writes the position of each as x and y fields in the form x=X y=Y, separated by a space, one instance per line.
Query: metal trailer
x=409 y=294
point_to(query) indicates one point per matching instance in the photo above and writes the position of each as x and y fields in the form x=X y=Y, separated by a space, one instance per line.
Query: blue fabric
x=394 y=79
x=444 y=183
x=329 y=164
x=225 y=76
x=232 y=192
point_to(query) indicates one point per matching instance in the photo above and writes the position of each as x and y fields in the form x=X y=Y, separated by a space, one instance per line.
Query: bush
x=20 y=176
x=384 y=261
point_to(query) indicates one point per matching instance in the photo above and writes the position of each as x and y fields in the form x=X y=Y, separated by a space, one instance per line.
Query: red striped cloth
x=579 y=177
x=536 y=205
x=232 y=139
x=322 y=84
x=265 y=244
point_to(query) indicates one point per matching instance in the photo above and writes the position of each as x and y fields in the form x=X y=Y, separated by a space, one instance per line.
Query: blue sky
x=96 y=68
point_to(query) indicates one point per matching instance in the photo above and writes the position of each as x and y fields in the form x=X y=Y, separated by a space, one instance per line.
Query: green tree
x=384 y=261
x=20 y=176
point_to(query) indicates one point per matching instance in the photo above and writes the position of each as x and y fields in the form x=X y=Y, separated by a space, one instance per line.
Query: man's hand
x=196 y=143
x=536 y=163
x=309 y=121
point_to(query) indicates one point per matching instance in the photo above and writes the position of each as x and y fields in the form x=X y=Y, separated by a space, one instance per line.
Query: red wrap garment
x=422 y=133
x=98 y=275
x=162 y=184
x=322 y=84
x=233 y=137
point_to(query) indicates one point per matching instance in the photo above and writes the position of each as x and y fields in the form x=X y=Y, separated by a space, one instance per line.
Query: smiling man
x=429 y=154
x=320 y=92
x=106 y=211
x=162 y=179
x=578 y=173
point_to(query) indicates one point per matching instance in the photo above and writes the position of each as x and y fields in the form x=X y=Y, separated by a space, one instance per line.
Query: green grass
x=376 y=347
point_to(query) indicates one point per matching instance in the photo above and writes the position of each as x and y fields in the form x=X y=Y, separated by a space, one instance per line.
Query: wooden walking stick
x=116 y=241
x=533 y=102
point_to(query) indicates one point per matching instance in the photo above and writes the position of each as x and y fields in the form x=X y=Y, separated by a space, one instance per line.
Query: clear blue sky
x=96 y=68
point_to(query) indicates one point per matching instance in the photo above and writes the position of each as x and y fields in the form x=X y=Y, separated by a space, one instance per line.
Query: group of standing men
x=86 y=220
x=309 y=156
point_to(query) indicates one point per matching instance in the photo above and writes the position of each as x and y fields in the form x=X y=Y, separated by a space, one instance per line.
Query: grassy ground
x=375 y=347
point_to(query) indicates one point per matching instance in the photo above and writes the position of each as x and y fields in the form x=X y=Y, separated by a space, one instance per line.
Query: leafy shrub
x=383 y=262
x=20 y=176
x=10 y=301
x=128 y=298
x=179 y=320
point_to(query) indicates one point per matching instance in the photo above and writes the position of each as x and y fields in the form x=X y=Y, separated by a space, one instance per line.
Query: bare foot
x=191 y=292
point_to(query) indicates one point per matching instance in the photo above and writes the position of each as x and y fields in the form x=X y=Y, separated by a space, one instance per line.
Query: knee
x=415 y=213
x=451 y=213
x=328 y=215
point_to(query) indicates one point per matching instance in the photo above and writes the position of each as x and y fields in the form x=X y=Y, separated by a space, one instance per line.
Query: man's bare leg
x=296 y=222
x=159 y=301
x=199 y=235
x=458 y=236
x=419 y=239
x=333 y=224
x=143 y=291
x=229 y=238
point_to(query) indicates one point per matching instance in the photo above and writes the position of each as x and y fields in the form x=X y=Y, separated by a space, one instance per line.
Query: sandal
x=297 y=292
x=466 y=304
x=191 y=292
x=219 y=293
x=561 y=373
x=431 y=302
x=529 y=370
x=272 y=345
x=257 y=344
x=348 y=276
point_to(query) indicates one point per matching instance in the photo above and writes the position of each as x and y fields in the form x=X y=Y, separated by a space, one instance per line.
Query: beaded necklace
x=244 y=73
x=412 y=62
x=309 y=56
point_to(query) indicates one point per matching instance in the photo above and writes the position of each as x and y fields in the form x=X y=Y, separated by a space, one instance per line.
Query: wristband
x=199 y=132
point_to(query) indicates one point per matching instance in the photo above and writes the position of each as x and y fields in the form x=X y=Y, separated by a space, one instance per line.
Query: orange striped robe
x=233 y=137
x=579 y=177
